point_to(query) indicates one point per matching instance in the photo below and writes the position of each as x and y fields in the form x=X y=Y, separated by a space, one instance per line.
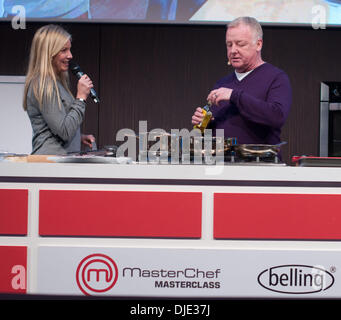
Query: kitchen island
x=161 y=230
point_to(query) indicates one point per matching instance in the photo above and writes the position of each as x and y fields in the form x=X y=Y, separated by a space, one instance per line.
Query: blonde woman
x=55 y=114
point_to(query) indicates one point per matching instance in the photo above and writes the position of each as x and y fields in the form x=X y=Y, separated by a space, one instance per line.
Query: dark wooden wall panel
x=14 y=49
x=161 y=73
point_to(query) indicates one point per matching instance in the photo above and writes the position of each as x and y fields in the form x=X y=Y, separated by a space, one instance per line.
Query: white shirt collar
x=241 y=76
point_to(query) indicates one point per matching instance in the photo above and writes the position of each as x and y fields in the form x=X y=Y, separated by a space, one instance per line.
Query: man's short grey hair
x=249 y=21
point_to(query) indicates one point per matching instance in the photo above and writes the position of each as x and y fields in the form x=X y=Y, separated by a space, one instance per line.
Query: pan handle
x=260 y=151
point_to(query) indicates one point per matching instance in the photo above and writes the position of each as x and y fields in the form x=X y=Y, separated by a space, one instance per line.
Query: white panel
x=15 y=126
x=163 y=272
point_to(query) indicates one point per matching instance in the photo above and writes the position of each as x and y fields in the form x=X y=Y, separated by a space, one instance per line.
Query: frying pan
x=258 y=150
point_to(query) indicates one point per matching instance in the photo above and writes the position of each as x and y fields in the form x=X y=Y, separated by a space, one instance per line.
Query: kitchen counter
x=220 y=231
x=176 y=174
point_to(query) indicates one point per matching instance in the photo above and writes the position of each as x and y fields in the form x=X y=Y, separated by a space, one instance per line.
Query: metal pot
x=258 y=150
x=209 y=146
x=154 y=144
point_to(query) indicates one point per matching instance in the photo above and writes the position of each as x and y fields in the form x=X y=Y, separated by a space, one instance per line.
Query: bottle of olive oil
x=207 y=117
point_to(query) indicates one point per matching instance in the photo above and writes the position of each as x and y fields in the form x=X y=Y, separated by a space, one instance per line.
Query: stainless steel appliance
x=330 y=119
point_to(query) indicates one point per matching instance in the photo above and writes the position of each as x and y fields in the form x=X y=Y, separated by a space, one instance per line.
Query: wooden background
x=161 y=73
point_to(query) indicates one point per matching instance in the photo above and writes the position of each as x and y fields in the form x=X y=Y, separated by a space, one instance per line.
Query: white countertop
x=170 y=172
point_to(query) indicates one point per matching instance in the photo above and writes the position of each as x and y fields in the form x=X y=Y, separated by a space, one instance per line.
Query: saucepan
x=162 y=143
x=153 y=144
x=210 y=146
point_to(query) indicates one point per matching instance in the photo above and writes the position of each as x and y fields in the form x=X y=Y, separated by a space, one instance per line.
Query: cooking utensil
x=258 y=150
x=157 y=144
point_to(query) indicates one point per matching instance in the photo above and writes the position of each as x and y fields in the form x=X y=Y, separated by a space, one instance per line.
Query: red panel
x=120 y=213
x=277 y=216
x=13 y=269
x=13 y=212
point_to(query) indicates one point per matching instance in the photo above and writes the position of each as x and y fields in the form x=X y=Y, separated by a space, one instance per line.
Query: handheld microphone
x=76 y=70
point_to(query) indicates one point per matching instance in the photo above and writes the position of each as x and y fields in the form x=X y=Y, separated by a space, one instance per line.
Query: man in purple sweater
x=253 y=102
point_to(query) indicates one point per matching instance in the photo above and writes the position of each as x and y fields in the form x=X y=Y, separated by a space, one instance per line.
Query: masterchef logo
x=187 y=278
x=296 y=279
x=96 y=274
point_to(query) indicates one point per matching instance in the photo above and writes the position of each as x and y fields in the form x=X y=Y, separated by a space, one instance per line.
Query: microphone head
x=74 y=67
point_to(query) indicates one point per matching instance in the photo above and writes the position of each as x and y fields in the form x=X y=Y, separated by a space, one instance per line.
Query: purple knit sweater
x=258 y=107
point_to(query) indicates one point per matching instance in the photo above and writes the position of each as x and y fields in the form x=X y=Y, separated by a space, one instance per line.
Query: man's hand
x=221 y=94
x=197 y=116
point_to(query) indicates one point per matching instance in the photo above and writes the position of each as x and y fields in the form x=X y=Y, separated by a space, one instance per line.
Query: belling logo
x=296 y=279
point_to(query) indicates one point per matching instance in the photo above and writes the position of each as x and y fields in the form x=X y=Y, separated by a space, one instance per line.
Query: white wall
x=15 y=126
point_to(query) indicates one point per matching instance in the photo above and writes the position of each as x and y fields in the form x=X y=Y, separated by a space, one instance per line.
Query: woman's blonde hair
x=46 y=44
